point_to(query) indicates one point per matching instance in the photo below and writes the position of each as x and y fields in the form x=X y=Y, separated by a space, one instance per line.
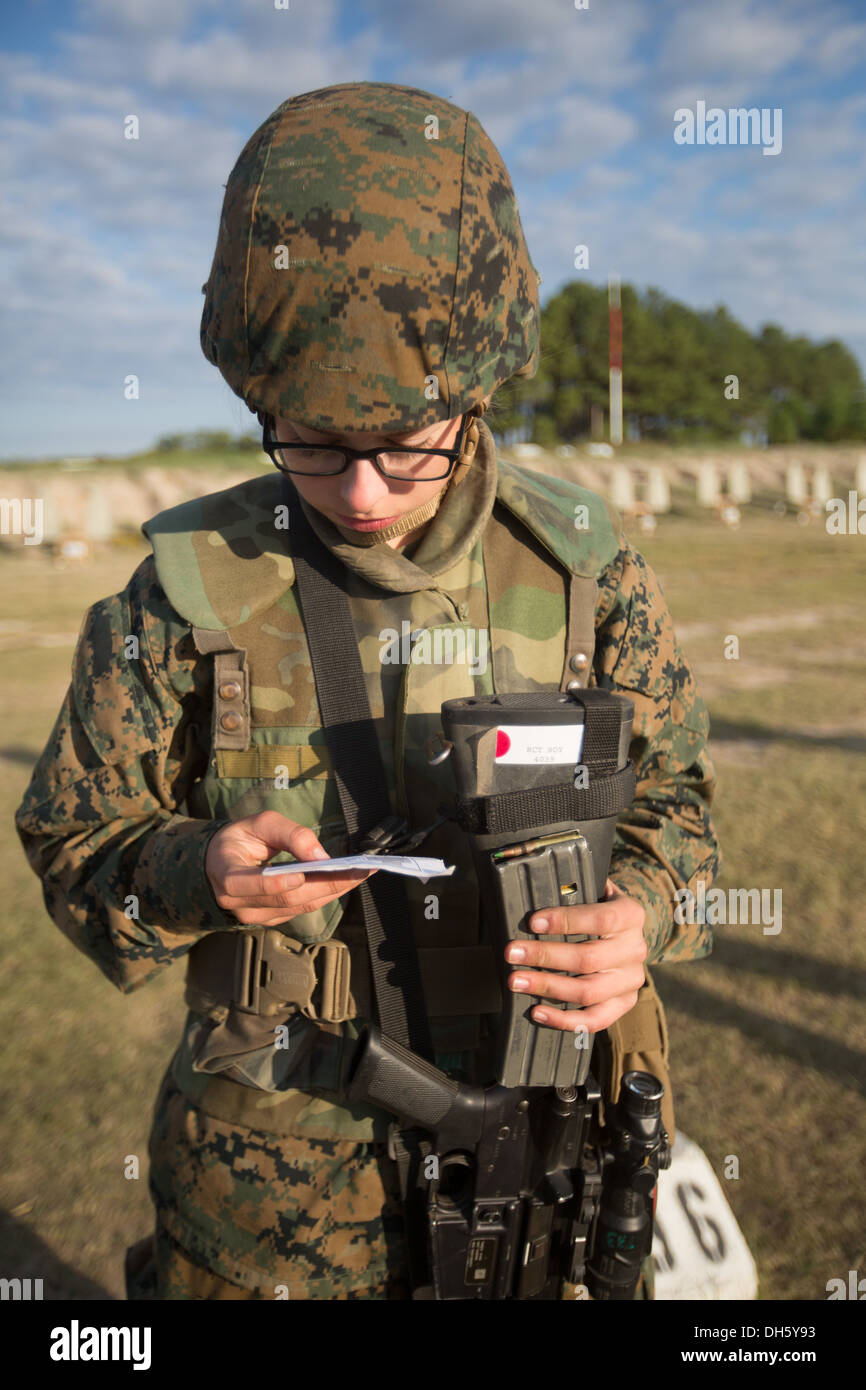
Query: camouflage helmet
x=370 y=271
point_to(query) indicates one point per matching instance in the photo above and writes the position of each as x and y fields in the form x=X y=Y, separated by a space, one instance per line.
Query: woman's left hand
x=610 y=968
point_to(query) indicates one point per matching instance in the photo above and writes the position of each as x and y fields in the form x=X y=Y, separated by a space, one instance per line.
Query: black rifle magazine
x=528 y=1053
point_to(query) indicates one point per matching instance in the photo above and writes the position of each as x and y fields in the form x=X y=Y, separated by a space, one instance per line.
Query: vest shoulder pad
x=221 y=559
x=577 y=526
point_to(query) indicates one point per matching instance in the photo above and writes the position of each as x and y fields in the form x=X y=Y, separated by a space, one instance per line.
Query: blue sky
x=106 y=242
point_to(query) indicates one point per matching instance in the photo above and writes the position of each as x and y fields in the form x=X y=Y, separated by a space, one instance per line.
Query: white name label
x=539 y=743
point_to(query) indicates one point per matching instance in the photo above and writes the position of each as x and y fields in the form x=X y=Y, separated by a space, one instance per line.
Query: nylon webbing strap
x=520 y=810
x=360 y=777
x=601 y=740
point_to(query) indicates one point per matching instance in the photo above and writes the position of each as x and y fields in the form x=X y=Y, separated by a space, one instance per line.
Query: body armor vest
x=516 y=613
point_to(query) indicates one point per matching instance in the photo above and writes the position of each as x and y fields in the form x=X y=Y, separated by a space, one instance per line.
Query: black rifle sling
x=360 y=777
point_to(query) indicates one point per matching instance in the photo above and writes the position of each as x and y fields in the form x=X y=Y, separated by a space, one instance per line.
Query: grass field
x=768 y=1035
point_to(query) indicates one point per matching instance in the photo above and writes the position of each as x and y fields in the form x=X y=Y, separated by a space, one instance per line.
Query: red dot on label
x=503 y=742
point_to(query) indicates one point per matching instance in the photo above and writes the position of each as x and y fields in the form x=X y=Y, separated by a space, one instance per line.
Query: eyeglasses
x=411 y=465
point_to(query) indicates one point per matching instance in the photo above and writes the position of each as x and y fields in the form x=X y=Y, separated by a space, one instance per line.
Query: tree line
x=678 y=365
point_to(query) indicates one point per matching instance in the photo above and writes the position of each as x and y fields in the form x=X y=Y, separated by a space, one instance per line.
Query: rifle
x=512 y=1189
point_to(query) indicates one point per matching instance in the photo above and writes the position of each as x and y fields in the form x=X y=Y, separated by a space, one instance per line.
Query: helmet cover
x=370 y=272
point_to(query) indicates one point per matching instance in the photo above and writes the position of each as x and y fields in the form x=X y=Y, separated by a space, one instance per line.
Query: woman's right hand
x=233 y=861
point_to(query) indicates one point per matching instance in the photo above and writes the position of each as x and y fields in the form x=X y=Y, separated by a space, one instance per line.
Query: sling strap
x=360 y=776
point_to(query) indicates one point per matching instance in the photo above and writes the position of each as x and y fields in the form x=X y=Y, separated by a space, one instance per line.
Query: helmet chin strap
x=409 y=521
x=419 y=516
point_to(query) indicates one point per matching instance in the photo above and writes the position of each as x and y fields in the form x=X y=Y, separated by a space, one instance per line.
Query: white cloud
x=23 y=80
x=552 y=42
x=840 y=47
x=132 y=18
x=738 y=39
x=250 y=55
x=535 y=93
x=223 y=65
x=578 y=132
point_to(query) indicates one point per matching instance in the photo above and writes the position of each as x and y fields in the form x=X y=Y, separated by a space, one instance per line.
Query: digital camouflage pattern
x=370 y=251
x=319 y=1219
x=125 y=798
x=309 y=1218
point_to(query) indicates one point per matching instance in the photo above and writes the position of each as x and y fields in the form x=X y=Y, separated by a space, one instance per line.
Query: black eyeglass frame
x=270 y=447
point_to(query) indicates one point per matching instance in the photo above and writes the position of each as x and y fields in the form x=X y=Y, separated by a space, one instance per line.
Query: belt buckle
x=336 y=1003
x=274 y=970
x=248 y=972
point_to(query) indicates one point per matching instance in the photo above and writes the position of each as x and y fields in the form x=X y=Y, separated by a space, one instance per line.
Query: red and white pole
x=614 y=310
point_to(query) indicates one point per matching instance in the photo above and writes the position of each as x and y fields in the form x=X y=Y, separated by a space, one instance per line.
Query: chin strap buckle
x=464 y=463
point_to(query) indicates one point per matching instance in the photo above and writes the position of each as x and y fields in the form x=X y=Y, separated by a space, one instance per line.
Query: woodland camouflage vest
x=516 y=613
